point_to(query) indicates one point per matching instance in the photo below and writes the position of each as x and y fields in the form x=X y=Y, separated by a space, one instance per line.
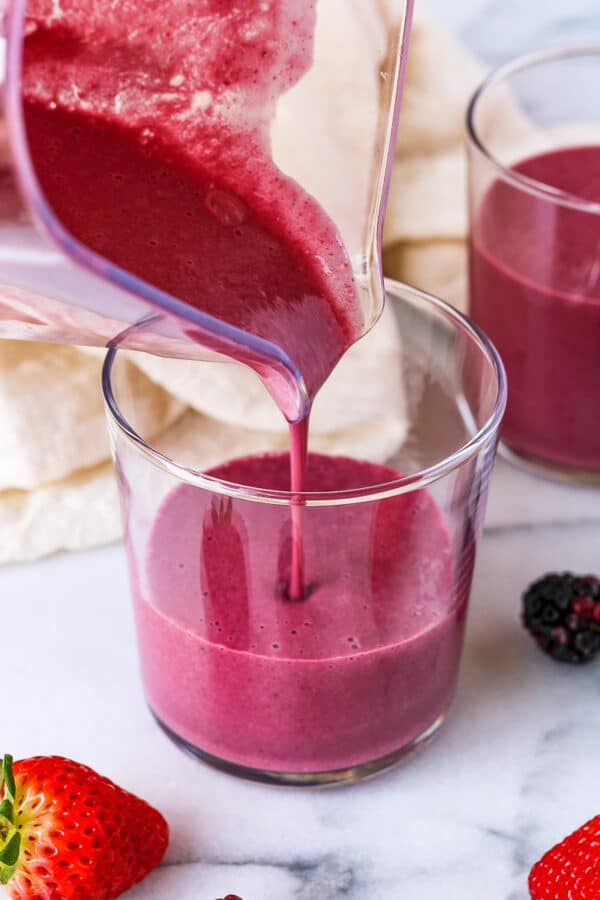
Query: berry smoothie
x=290 y=638
x=362 y=667
x=535 y=290
x=160 y=161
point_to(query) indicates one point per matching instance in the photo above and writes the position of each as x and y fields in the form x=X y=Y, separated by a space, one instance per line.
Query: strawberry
x=66 y=832
x=571 y=869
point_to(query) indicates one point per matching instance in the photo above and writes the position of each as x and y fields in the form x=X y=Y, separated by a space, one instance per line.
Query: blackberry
x=562 y=612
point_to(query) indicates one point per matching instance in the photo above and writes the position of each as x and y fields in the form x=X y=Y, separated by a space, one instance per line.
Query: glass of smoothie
x=341 y=681
x=534 y=181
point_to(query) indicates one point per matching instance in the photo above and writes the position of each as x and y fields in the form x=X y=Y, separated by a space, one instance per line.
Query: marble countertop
x=497 y=30
x=514 y=769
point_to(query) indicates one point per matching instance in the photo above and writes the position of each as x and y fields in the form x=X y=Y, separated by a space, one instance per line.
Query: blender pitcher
x=328 y=121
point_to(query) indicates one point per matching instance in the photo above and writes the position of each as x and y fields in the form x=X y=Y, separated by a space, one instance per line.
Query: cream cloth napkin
x=426 y=222
x=57 y=489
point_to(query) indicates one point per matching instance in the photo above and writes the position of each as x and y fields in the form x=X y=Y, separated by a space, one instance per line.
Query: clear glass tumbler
x=534 y=177
x=343 y=683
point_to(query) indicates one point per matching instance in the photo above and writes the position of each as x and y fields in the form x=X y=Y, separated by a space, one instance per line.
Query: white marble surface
x=514 y=769
x=497 y=30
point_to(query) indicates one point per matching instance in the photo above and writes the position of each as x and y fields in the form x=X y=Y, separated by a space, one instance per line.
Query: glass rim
x=400 y=485
x=503 y=73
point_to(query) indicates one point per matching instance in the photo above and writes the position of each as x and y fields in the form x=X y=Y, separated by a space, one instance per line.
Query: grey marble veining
x=497 y=30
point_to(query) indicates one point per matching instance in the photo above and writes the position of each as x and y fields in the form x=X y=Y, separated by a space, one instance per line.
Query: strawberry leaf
x=8 y=777
x=10 y=854
x=10 y=844
x=7 y=811
x=10 y=837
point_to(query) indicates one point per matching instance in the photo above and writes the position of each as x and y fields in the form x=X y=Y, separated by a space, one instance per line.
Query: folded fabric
x=57 y=490
x=426 y=222
x=52 y=413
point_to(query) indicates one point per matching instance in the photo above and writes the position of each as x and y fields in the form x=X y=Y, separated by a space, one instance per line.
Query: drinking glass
x=535 y=253
x=345 y=682
x=333 y=133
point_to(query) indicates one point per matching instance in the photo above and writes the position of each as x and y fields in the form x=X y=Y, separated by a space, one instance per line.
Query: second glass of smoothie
x=534 y=178
x=342 y=681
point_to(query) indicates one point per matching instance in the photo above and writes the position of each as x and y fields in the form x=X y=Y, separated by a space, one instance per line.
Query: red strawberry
x=66 y=832
x=571 y=869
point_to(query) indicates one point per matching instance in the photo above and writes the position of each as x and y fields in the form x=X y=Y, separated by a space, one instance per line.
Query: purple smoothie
x=149 y=126
x=363 y=666
x=535 y=290
x=161 y=162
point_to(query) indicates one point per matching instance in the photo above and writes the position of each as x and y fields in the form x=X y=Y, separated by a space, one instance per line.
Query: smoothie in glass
x=365 y=664
x=535 y=289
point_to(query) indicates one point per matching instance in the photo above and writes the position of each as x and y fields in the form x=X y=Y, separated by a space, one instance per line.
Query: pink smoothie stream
x=535 y=290
x=161 y=163
x=359 y=669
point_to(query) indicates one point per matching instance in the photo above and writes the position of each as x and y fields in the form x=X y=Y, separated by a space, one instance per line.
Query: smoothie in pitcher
x=273 y=640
